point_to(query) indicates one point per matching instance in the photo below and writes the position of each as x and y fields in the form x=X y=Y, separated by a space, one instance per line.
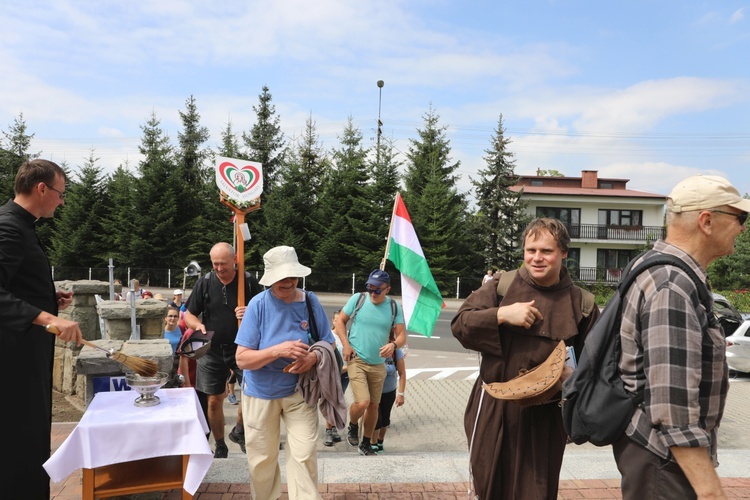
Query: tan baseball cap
x=701 y=192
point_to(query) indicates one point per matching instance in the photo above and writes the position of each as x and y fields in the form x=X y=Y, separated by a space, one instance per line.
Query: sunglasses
x=224 y=295
x=376 y=291
x=741 y=217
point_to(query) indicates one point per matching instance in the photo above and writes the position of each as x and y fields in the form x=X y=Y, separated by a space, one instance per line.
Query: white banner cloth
x=114 y=430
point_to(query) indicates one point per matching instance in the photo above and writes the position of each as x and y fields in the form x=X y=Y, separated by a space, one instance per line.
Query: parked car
x=738 y=348
x=728 y=315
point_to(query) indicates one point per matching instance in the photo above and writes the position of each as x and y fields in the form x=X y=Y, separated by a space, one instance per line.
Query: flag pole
x=390 y=228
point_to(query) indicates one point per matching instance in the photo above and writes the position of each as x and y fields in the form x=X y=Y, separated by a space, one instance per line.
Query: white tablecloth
x=114 y=430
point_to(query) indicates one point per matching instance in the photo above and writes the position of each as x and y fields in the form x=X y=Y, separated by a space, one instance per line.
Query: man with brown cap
x=674 y=351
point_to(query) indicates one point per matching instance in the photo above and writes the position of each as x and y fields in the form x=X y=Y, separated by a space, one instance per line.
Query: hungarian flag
x=421 y=298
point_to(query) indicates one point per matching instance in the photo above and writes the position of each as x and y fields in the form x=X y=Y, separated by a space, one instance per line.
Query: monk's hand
x=522 y=314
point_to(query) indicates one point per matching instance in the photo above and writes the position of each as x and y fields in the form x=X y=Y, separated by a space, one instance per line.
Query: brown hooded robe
x=517 y=452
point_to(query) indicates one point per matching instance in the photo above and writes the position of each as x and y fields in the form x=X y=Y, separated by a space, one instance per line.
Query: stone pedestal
x=83 y=310
x=149 y=314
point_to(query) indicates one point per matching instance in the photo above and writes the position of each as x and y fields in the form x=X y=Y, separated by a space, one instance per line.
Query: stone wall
x=75 y=366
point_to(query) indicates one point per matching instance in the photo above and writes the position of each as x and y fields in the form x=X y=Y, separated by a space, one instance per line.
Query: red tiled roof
x=578 y=191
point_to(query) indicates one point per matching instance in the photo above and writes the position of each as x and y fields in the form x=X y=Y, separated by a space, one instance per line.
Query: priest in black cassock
x=28 y=302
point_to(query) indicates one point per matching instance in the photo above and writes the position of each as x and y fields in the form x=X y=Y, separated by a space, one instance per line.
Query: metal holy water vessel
x=146 y=387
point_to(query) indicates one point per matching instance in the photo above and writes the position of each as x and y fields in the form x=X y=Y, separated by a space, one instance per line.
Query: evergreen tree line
x=332 y=205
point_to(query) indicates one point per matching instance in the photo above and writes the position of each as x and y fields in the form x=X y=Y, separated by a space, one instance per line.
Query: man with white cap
x=365 y=348
x=674 y=351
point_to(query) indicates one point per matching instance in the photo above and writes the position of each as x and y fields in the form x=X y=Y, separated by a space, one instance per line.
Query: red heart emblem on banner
x=240 y=178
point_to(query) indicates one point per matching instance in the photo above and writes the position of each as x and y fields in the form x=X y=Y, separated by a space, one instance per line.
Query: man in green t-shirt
x=374 y=335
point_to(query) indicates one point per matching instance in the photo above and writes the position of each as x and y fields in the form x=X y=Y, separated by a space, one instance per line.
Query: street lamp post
x=380 y=123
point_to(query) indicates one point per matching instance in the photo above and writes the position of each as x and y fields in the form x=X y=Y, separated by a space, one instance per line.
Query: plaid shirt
x=676 y=352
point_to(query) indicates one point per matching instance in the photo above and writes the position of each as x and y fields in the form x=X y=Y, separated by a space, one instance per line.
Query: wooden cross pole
x=240 y=184
x=239 y=220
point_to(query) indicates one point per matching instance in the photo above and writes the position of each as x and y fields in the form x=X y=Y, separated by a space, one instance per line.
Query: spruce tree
x=384 y=173
x=78 y=239
x=201 y=220
x=342 y=214
x=500 y=217
x=437 y=209
x=288 y=211
x=156 y=213
x=120 y=218
x=265 y=141
x=14 y=150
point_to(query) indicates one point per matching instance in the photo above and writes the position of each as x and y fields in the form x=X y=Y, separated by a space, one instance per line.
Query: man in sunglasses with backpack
x=366 y=346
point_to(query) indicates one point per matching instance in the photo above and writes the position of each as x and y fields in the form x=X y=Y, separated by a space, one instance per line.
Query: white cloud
x=737 y=16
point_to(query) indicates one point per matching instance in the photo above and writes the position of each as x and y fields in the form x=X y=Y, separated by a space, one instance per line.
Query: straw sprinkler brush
x=143 y=367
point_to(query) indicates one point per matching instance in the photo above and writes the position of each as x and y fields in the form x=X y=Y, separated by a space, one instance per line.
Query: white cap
x=178 y=292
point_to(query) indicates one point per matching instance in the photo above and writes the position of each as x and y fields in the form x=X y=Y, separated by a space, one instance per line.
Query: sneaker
x=239 y=438
x=335 y=435
x=353 y=434
x=379 y=448
x=328 y=441
x=221 y=451
x=232 y=399
x=365 y=450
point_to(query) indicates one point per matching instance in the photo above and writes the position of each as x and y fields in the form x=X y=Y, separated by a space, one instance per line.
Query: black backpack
x=596 y=408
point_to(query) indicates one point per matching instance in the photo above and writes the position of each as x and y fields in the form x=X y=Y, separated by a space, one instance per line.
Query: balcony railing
x=596 y=275
x=627 y=233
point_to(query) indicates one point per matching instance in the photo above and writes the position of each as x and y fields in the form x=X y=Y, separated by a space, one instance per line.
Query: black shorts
x=212 y=369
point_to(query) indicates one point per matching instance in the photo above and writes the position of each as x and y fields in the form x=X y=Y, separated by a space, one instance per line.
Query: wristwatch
x=395 y=345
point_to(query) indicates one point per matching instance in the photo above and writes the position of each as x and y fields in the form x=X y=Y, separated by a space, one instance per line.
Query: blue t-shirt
x=371 y=327
x=174 y=338
x=390 y=383
x=269 y=321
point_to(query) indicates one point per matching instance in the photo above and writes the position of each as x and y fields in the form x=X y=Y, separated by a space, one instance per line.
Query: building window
x=605 y=185
x=537 y=183
x=620 y=217
x=567 y=216
x=572 y=262
x=614 y=259
x=610 y=263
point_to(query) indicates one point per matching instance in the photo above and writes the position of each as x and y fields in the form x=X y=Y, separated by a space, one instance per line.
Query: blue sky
x=651 y=91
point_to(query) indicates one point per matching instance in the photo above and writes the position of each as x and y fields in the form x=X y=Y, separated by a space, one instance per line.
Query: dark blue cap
x=378 y=278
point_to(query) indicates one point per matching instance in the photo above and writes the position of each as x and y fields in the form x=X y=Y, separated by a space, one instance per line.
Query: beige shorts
x=366 y=380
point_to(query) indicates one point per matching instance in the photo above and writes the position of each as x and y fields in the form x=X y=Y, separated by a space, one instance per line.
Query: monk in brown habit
x=516 y=449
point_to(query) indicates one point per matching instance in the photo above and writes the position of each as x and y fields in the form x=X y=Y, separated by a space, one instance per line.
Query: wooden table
x=137 y=476
x=123 y=449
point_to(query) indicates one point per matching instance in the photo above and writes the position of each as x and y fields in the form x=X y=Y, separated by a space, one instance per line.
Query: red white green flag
x=421 y=299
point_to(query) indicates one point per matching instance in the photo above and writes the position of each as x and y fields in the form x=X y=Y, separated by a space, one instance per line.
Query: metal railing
x=592 y=275
x=640 y=234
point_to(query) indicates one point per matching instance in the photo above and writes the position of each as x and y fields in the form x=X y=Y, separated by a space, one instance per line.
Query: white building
x=609 y=224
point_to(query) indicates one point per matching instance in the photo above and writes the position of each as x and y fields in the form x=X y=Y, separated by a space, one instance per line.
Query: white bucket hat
x=281 y=262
